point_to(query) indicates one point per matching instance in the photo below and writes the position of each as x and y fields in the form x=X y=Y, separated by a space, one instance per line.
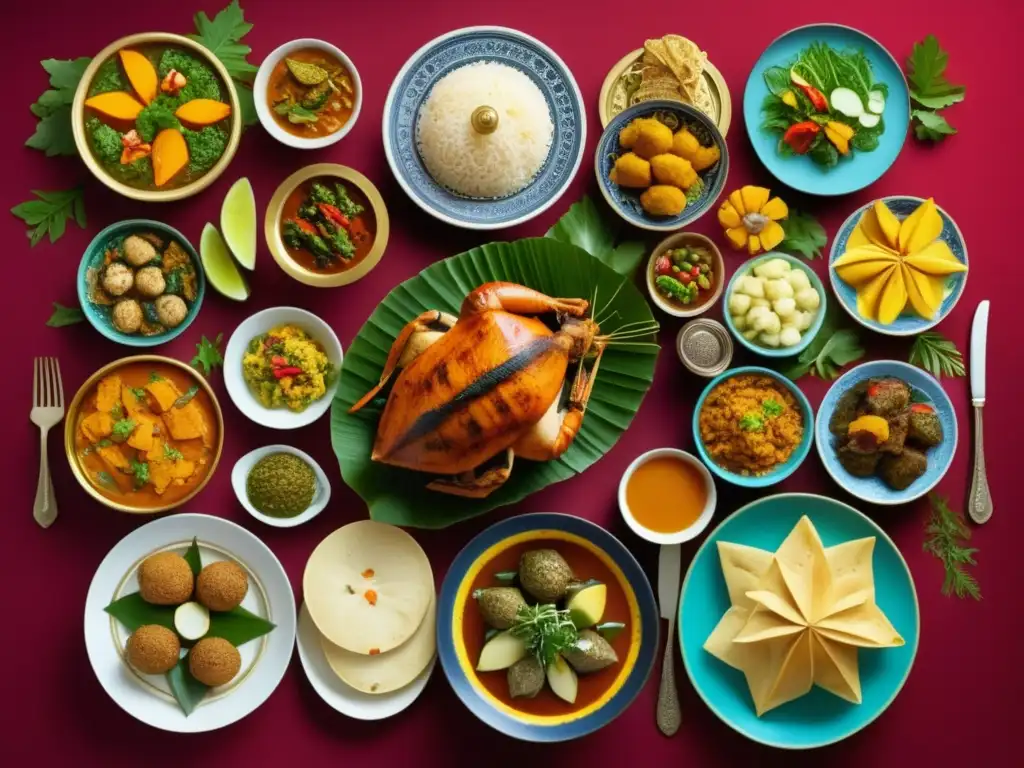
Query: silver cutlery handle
x=979 y=500
x=668 y=716
x=44 y=510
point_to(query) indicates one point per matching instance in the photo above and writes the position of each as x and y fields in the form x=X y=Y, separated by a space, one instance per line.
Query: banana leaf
x=399 y=496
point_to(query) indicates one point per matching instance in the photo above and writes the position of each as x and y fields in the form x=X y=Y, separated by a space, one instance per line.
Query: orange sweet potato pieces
x=141 y=74
x=202 y=112
x=118 y=105
x=170 y=155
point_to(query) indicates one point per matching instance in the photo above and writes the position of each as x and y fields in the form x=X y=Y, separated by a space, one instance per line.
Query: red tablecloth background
x=959 y=704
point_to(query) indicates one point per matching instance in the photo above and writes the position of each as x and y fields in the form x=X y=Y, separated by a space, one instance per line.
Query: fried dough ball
x=214 y=661
x=165 y=579
x=663 y=200
x=153 y=649
x=222 y=586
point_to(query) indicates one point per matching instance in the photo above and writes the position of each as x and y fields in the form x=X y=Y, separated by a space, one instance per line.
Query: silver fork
x=47 y=411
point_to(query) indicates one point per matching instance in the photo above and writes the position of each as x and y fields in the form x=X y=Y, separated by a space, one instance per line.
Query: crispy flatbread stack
x=799 y=615
x=673 y=68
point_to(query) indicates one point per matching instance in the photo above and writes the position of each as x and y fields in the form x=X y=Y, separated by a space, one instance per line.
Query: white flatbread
x=386 y=672
x=368 y=586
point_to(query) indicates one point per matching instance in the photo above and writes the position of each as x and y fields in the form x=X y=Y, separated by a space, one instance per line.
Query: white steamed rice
x=492 y=165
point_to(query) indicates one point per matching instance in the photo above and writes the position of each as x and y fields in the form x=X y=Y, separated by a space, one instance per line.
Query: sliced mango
x=888 y=223
x=754 y=198
x=840 y=142
x=866 y=252
x=869 y=294
x=861 y=272
x=935 y=259
x=858 y=237
x=772 y=235
x=775 y=209
x=141 y=74
x=840 y=129
x=871 y=227
x=737 y=236
x=893 y=299
x=918 y=301
x=728 y=216
x=737 y=202
x=119 y=105
x=920 y=228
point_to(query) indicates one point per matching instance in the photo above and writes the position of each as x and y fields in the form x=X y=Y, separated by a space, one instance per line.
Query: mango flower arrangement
x=750 y=217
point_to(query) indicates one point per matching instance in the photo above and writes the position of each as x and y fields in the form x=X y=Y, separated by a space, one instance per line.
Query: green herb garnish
x=947 y=536
x=105 y=443
x=106 y=480
x=831 y=349
x=208 y=355
x=804 y=235
x=123 y=430
x=53 y=134
x=171 y=453
x=751 y=422
x=772 y=408
x=49 y=214
x=186 y=398
x=141 y=471
x=139 y=392
x=583 y=225
x=545 y=630
x=63 y=316
x=117 y=412
x=926 y=67
x=937 y=355
x=223 y=36
x=154 y=376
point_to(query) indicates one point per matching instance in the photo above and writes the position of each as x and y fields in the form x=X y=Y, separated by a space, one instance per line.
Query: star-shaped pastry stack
x=799 y=615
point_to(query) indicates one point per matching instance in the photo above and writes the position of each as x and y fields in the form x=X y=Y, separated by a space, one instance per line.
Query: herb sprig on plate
x=546 y=631
x=208 y=355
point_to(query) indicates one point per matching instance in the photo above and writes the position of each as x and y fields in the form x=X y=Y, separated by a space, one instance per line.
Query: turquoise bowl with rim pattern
x=777 y=473
x=926 y=389
x=625 y=201
x=909 y=322
x=99 y=315
x=818 y=718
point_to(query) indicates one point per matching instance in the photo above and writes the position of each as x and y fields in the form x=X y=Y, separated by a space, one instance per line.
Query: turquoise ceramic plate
x=807 y=336
x=859 y=169
x=626 y=202
x=632 y=603
x=926 y=389
x=782 y=471
x=819 y=718
x=99 y=315
x=908 y=323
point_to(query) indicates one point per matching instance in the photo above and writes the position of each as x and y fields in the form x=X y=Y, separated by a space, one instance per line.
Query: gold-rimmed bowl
x=71 y=425
x=273 y=220
x=82 y=141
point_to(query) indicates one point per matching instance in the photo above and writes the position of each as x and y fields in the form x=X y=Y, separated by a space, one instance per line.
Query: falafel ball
x=117 y=279
x=138 y=251
x=222 y=586
x=214 y=661
x=127 y=316
x=149 y=281
x=153 y=649
x=165 y=579
x=171 y=310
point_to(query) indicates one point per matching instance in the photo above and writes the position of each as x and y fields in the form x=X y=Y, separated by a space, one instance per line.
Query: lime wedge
x=238 y=222
x=220 y=267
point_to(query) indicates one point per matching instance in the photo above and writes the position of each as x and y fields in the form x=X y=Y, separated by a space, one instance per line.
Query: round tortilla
x=373 y=613
x=389 y=671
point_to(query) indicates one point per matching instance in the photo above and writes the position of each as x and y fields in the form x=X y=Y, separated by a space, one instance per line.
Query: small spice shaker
x=705 y=347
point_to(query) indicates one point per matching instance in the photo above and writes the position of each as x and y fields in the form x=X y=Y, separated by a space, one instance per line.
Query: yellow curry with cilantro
x=146 y=436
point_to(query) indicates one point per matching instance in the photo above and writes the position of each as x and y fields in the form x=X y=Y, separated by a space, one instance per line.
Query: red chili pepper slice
x=278 y=360
x=331 y=212
x=816 y=97
x=305 y=226
x=922 y=408
x=280 y=373
x=800 y=136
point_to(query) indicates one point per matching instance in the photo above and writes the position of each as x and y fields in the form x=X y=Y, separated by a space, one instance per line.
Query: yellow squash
x=750 y=218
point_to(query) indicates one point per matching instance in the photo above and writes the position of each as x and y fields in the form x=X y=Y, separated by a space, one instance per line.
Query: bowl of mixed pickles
x=685 y=274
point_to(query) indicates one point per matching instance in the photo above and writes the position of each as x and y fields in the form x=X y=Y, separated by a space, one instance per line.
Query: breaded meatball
x=138 y=251
x=149 y=281
x=127 y=316
x=222 y=586
x=214 y=661
x=153 y=649
x=171 y=310
x=117 y=279
x=165 y=579
x=663 y=200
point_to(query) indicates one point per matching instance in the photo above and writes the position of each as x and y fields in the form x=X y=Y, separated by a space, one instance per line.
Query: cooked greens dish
x=326 y=225
x=825 y=105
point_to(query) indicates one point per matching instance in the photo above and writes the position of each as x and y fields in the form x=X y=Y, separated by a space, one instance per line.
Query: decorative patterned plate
x=93 y=258
x=909 y=323
x=615 y=92
x=802 y=173
x=819 y=718
x=264 y=661
x=455 y=49
x=872 y=489
x=626 y=202
x=635 y=663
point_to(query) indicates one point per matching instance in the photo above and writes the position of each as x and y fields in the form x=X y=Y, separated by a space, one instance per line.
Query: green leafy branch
x=946 y=538
x=48 y=214
x=929 y=89
x=937 y=355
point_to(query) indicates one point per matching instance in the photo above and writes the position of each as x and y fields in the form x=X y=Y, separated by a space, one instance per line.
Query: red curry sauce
x=362 y=228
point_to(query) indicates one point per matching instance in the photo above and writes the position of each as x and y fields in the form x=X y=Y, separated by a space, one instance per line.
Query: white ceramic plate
x=241 y=472
x=264 y=660
x=238 y=389
x=342 y=697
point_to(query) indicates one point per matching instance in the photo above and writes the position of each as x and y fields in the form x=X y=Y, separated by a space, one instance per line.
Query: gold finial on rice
x=484 y=120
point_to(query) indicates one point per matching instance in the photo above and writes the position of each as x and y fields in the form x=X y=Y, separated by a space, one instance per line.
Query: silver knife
x=669 y=563
x=979 y=500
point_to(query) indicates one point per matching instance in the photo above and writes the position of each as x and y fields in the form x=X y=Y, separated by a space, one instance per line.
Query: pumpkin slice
x=728 y=216
x=141 y=74
x=772 y=235
x=736 y=198
x=920 y=227
x=894 y=298
x=737 y=236
x=170 y=155
x=753 y=244
x=775 y=209
x=754 y=198
x=119 y=105
x=935 y=259
x=870 y=293
x=202 y=112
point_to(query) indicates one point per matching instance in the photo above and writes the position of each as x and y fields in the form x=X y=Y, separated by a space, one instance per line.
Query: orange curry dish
x=311 y=93
x=147 y=435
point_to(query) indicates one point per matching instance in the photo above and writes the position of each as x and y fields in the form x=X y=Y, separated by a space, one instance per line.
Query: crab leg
x=405 y=344
x=554 y=433
x=519 y=300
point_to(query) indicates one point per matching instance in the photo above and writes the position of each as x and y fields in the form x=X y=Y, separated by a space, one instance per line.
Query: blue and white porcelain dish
x=625 y=201
x=926 y=389
x=853 y=173
x=909 y=323
x=98 y=315
x=465 y=46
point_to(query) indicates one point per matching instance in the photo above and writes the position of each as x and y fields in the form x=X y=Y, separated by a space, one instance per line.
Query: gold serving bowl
x=71 y=424
x=82 y=141
x=272 y=226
